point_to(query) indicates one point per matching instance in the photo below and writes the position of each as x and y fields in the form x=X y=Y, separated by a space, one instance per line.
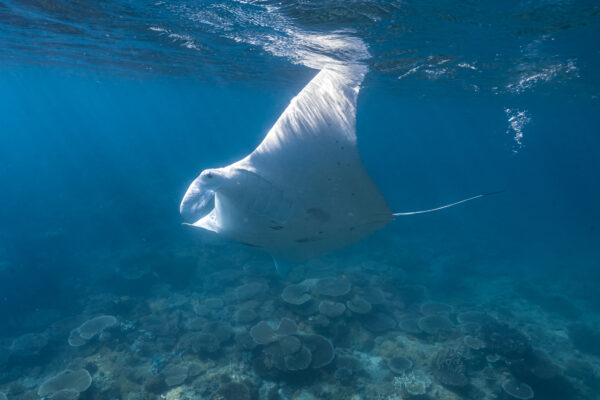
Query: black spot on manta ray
x=307 y=239
x=251 y=245
x=318 y=214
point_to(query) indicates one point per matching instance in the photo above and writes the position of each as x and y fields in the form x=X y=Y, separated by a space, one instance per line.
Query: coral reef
x=91 y=328
x=263 y=333
x=521 y=391
x=413 y=383
x=327 y=332
x=175 y=374
x=378 y=322
x=295 y=294
x=358 y=305
x=449 y=368
x=334 y=287
x=585 y=338
x=473 y=342
x=78 y=381
x=331 y=309
x=400 y=365
x=28 y=345
x=434 y=324
x=431 y=308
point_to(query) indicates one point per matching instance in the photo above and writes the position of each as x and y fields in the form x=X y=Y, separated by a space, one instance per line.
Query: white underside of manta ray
x=304 y=190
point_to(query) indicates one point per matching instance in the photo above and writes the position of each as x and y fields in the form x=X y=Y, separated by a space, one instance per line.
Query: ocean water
x=109 y=110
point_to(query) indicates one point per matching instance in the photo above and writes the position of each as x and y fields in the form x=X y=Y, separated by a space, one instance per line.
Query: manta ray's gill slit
x=252 y=245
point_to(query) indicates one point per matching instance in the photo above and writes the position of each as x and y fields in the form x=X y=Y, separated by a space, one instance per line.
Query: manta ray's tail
x=446 y=205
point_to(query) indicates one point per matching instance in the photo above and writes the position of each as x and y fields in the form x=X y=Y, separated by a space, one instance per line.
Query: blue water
x=109 y=110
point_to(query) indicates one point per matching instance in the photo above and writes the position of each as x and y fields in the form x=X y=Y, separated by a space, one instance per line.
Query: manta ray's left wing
x=311 y=155
x=312 y=148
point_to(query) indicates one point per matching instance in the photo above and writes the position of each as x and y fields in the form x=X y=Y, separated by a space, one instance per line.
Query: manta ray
x=304 y=190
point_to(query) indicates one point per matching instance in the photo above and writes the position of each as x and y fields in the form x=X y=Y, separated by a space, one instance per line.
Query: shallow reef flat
x=219 y=325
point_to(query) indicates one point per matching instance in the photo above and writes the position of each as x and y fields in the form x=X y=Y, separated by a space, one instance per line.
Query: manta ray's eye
x=209 y=175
